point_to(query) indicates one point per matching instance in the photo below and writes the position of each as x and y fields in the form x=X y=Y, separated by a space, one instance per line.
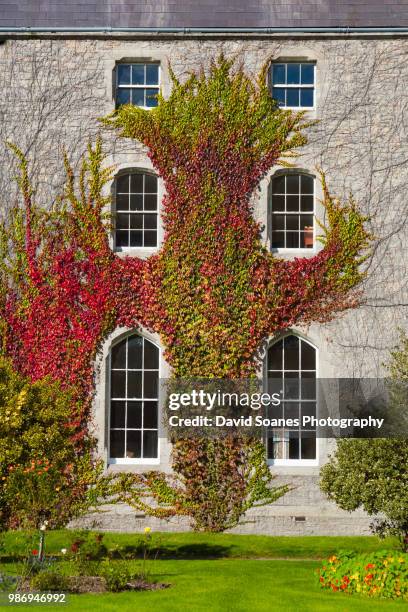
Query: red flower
x=369 y=566
x=34 y=551
x=368 y=578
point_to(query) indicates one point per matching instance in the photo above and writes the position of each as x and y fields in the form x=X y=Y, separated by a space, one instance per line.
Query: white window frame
x=288 y=250
x=294 y=462
x=133 y=460
x=133 y=249
x=143 y=86
x=295 y=85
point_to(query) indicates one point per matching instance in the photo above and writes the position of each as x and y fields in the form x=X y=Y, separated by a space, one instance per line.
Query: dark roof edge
x=109 y=30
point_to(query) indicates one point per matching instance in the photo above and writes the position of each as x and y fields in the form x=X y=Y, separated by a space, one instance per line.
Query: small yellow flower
x=147 y=530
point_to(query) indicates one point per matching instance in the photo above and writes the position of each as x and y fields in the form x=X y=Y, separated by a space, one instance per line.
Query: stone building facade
x=55 y=86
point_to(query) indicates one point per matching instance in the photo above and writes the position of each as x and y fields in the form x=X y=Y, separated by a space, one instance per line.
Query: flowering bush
x=380 y=574
x=41 y=476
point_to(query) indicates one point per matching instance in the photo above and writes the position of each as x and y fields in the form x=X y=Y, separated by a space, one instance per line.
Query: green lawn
x=230 y=582
x=208 y=545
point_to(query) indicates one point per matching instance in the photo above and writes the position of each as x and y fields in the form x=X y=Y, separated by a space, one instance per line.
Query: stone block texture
x=53 y=90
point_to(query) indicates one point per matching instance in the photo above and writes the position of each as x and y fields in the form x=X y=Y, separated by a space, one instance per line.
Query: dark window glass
x=278 y=71
x=134 y=415
x=136 y=193
x=118 y=414
x=292 y=194
x=117 y=443
x=293 y=84
x=137 y=84
x=119 y=356
x=298 y=359
x=137 y=380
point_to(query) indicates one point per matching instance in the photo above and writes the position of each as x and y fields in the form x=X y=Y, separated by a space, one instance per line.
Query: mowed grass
x=209 y=545
x=229 y=585
x=217 y=572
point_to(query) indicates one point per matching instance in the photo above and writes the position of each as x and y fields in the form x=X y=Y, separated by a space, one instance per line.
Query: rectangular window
x=293 y=84
x=292 y=371
x=137 y=84
x=292 y=209
x=136 y=203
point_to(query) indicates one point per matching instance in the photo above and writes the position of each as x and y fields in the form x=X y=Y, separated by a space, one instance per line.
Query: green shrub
x=382 y=574
x=50 y=580
x=116 y=575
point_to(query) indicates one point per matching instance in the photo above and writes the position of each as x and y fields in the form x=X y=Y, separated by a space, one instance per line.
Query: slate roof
x=203 y=13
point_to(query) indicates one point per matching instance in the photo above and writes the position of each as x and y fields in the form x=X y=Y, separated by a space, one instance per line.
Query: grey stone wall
x=54 y=90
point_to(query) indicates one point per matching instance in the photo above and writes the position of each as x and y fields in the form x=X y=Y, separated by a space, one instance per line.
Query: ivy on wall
x=213 y=292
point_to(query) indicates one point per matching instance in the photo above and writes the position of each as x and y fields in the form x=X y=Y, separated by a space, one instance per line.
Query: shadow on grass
x=185 y=551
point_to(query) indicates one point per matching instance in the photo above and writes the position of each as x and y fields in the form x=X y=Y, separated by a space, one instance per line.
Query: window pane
x=134 y=385
x=150 y=221
x=123 y=74
x=138 y=97
x=308 y=409
x=293 y=74
x=136 y=201
x=278 y=94
x=151 y=98
x=291 y=410
x=278 y=203
x=292 y=183
x=307 y=184
x=134 y=415
x=306 y=221
x=308 y=357
x=150 y=202
x=292 y=240
x=123 y=96
x=278 y=240
x=307 y=74
x=150 y=415
x=291 y=359
x=118 y=383
x=122 y=201
x=133 y=444
x=292 y=222
x=292 y=97
x=293 y=445
x=278 y=74
x=135 y=352
x=136 y=183
x=278 y=184
x=308 y=385
x=291 y=386
x=150 y=444
x=275 y=356
x=278 y=222
x=150 y=183
x=150 y=239
x=118 y=359
x=136 y=221
x=152 y=74
x=308 y=445
x=136 y=238
x=150 y=388
x=138 y=74
x=306 y=203
x=122 y=238
x=117 y=444
x=151 y=356
x=306 y=97
x=122 y=184
x=292 y=203
x=122 y=221
x=118 y=411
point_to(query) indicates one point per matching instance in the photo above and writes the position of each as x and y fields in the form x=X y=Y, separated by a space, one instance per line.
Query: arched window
x=292 y=372
x=134 y=389
x=136 y=206
x=292 y=209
